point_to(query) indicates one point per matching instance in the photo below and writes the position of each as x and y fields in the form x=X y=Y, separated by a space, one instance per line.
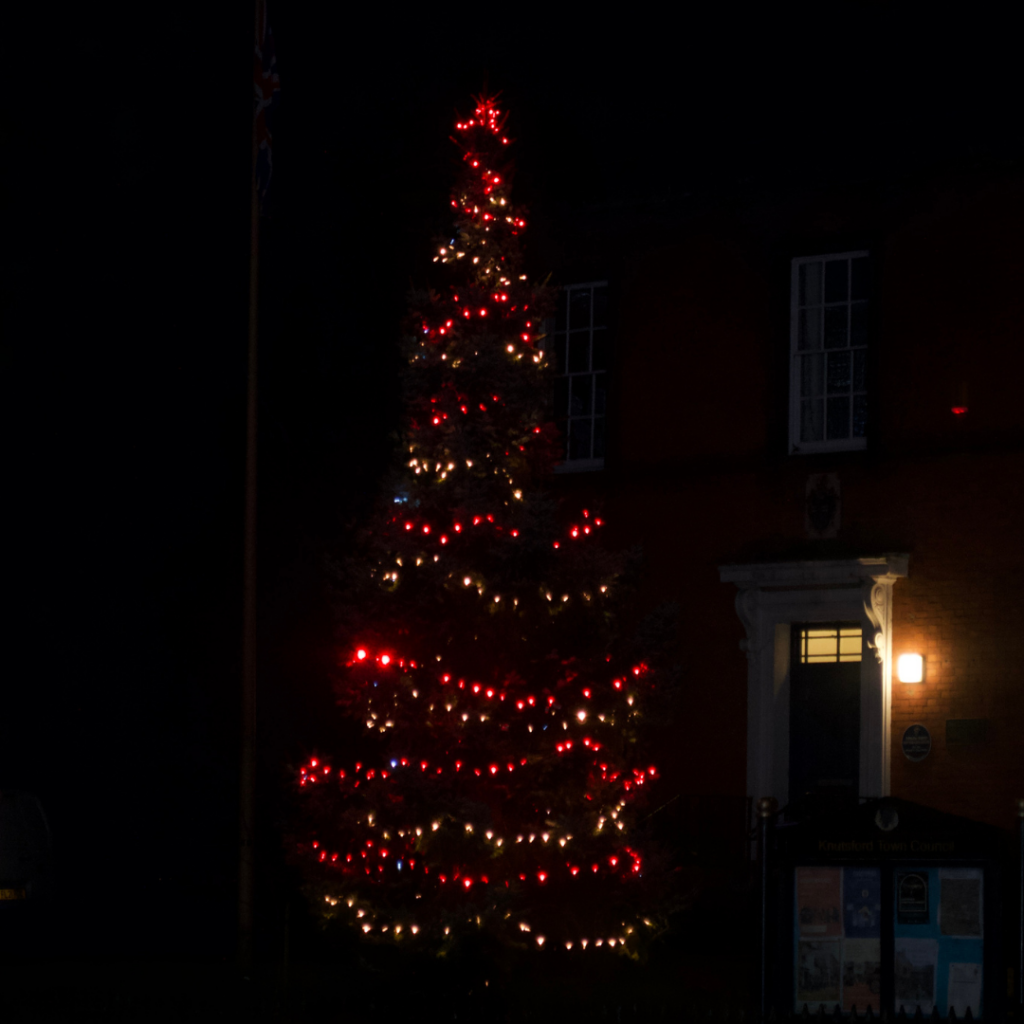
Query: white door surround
x=772 y=596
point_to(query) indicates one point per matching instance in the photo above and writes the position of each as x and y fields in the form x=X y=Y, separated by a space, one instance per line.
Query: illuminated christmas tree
x=501 y=706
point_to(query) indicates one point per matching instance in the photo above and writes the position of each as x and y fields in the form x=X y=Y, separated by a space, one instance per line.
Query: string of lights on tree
x=481 y=652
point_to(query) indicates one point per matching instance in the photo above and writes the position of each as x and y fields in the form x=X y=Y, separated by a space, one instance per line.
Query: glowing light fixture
x=910 y=668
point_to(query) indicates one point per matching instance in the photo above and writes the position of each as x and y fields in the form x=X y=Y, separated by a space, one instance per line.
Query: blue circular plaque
x=917 y=742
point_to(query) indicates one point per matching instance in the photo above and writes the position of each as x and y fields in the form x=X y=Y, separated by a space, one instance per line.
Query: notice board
x=937 y=928
x=889 y=906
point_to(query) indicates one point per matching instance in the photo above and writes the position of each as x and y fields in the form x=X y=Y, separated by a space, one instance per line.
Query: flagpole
x=247 y=772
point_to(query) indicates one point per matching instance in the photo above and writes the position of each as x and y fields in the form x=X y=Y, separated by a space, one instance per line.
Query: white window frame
x=796 y=446
x=570 y=465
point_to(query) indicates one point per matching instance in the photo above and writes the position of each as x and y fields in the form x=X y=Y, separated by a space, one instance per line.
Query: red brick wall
x=699 y=475
x=962 y=609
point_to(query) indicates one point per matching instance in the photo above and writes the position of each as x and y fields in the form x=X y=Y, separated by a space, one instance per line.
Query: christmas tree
x=501 y=777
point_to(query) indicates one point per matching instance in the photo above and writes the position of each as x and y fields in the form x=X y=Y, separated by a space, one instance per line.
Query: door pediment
x=773 y=595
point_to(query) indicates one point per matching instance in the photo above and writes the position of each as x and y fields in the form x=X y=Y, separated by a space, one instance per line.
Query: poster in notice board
x=912 y=900
x=862 y=945
x=939 y=940
x=837 y=950
x=819 y=900
x=960 y=902
x=917 y=962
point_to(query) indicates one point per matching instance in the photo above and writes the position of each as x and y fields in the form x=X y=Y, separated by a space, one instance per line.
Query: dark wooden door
x=824 y=709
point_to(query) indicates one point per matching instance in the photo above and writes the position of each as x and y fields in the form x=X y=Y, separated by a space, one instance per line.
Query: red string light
x=483 y=463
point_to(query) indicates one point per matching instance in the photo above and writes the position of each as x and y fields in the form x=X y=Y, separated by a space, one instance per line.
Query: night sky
x=125 y=213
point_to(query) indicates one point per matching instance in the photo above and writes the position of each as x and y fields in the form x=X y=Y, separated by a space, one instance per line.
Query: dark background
x=125 y=214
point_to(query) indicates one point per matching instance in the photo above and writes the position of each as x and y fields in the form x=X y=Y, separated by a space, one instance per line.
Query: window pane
x=832 y=317
x=850 y=642
x=835 y=280
x=849 y=645
x=820 y=645
x=810 y=284
x=859 y=278
x=860 y=358
x=835 y=327
x=579 y=352
x=839 y=372
x=860 y=415
x=579 y=439
x=859 y=323
x=812 y=369
x=579 y=308
x=561 y=397
x=582 y=389
x=811 y=416
x=838 y=419
x=560 y=311
x=810 y=329
x=559 y=345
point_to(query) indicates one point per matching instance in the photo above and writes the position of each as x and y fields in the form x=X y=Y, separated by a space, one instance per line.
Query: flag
x=267 y=89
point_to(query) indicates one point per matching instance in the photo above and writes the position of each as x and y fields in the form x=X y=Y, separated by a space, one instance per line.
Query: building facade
x=805 y=406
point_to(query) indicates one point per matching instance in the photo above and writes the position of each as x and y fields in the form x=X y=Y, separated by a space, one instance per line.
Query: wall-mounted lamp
x=910 y=668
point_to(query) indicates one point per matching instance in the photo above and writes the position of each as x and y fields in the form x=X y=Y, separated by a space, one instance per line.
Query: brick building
x=805 y=405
